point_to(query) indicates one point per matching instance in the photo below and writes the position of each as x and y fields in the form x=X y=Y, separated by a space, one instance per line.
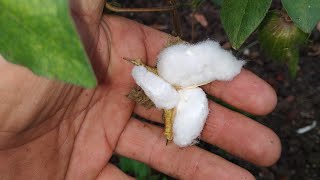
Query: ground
x=298 y=99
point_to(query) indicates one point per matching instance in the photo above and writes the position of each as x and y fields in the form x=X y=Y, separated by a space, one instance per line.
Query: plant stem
x=156 y=9
x=175 y=18
x=247 y=47
x=173 y=6
x=192 y=26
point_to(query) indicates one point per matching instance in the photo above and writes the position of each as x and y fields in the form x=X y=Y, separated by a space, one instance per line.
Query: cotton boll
x=188 y=65
x=162 y=94
x=191 y=114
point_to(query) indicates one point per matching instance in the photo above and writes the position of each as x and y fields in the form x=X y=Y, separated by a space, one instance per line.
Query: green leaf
x=217 y=2
x=195 y=4
x=241 y=18
x=40 y=35
x=304 y=13
x=138 y=169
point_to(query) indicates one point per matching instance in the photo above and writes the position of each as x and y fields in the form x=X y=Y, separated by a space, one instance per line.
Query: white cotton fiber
x=188 y=65
x=191 y=115
x=162 y=94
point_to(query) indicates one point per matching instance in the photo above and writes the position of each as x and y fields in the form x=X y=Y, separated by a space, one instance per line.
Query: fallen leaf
x=160 y=27
x=226 y=45
x=201 y=19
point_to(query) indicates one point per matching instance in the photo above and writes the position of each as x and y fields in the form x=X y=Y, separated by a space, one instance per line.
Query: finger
x=112 y=172
x=87 y=17
x=246 y=91
x=233 y=132
x=87 y=11
x=145 y=143
x=154 y=41
x=152 y=114
x=241 y=136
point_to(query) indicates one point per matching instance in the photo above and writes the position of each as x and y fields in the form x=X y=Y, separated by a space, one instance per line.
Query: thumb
x=87 y=16
x=88 y=11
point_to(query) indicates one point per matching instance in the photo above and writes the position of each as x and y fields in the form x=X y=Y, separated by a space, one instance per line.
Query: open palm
x=50 y=130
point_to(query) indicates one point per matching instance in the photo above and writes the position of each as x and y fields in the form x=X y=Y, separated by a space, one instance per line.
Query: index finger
x=246 y=91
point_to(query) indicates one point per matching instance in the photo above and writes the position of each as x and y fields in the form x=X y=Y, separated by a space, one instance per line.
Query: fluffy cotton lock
x=191 y=114
x=162 y=94
x=187 y=65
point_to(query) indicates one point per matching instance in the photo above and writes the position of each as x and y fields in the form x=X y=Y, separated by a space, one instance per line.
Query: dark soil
x=298 y=99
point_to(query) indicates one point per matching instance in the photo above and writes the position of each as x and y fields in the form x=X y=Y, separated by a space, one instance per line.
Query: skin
x=51 y=130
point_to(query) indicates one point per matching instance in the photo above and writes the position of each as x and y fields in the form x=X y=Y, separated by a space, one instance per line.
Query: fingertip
x=247 y=92
x=267 y=102
x=268 y=150
x=247 y=176
x=261 y=97
x=241 y=136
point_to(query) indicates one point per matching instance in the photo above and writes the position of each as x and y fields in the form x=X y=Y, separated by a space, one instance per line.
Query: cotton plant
x=174 y=85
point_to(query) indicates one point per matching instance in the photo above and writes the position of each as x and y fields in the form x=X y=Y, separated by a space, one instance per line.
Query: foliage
x=304 y=13
x=195 y=4
x=241 y=18
x=139 y=170
x=217 y=2
x=40 y=35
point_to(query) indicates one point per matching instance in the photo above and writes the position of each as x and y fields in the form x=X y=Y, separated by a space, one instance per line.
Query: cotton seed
x=162 y=94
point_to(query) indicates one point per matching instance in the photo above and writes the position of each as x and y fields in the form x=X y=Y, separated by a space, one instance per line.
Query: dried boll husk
x=138 y=96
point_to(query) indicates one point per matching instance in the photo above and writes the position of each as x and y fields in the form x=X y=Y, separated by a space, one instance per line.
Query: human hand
x=50 y=130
